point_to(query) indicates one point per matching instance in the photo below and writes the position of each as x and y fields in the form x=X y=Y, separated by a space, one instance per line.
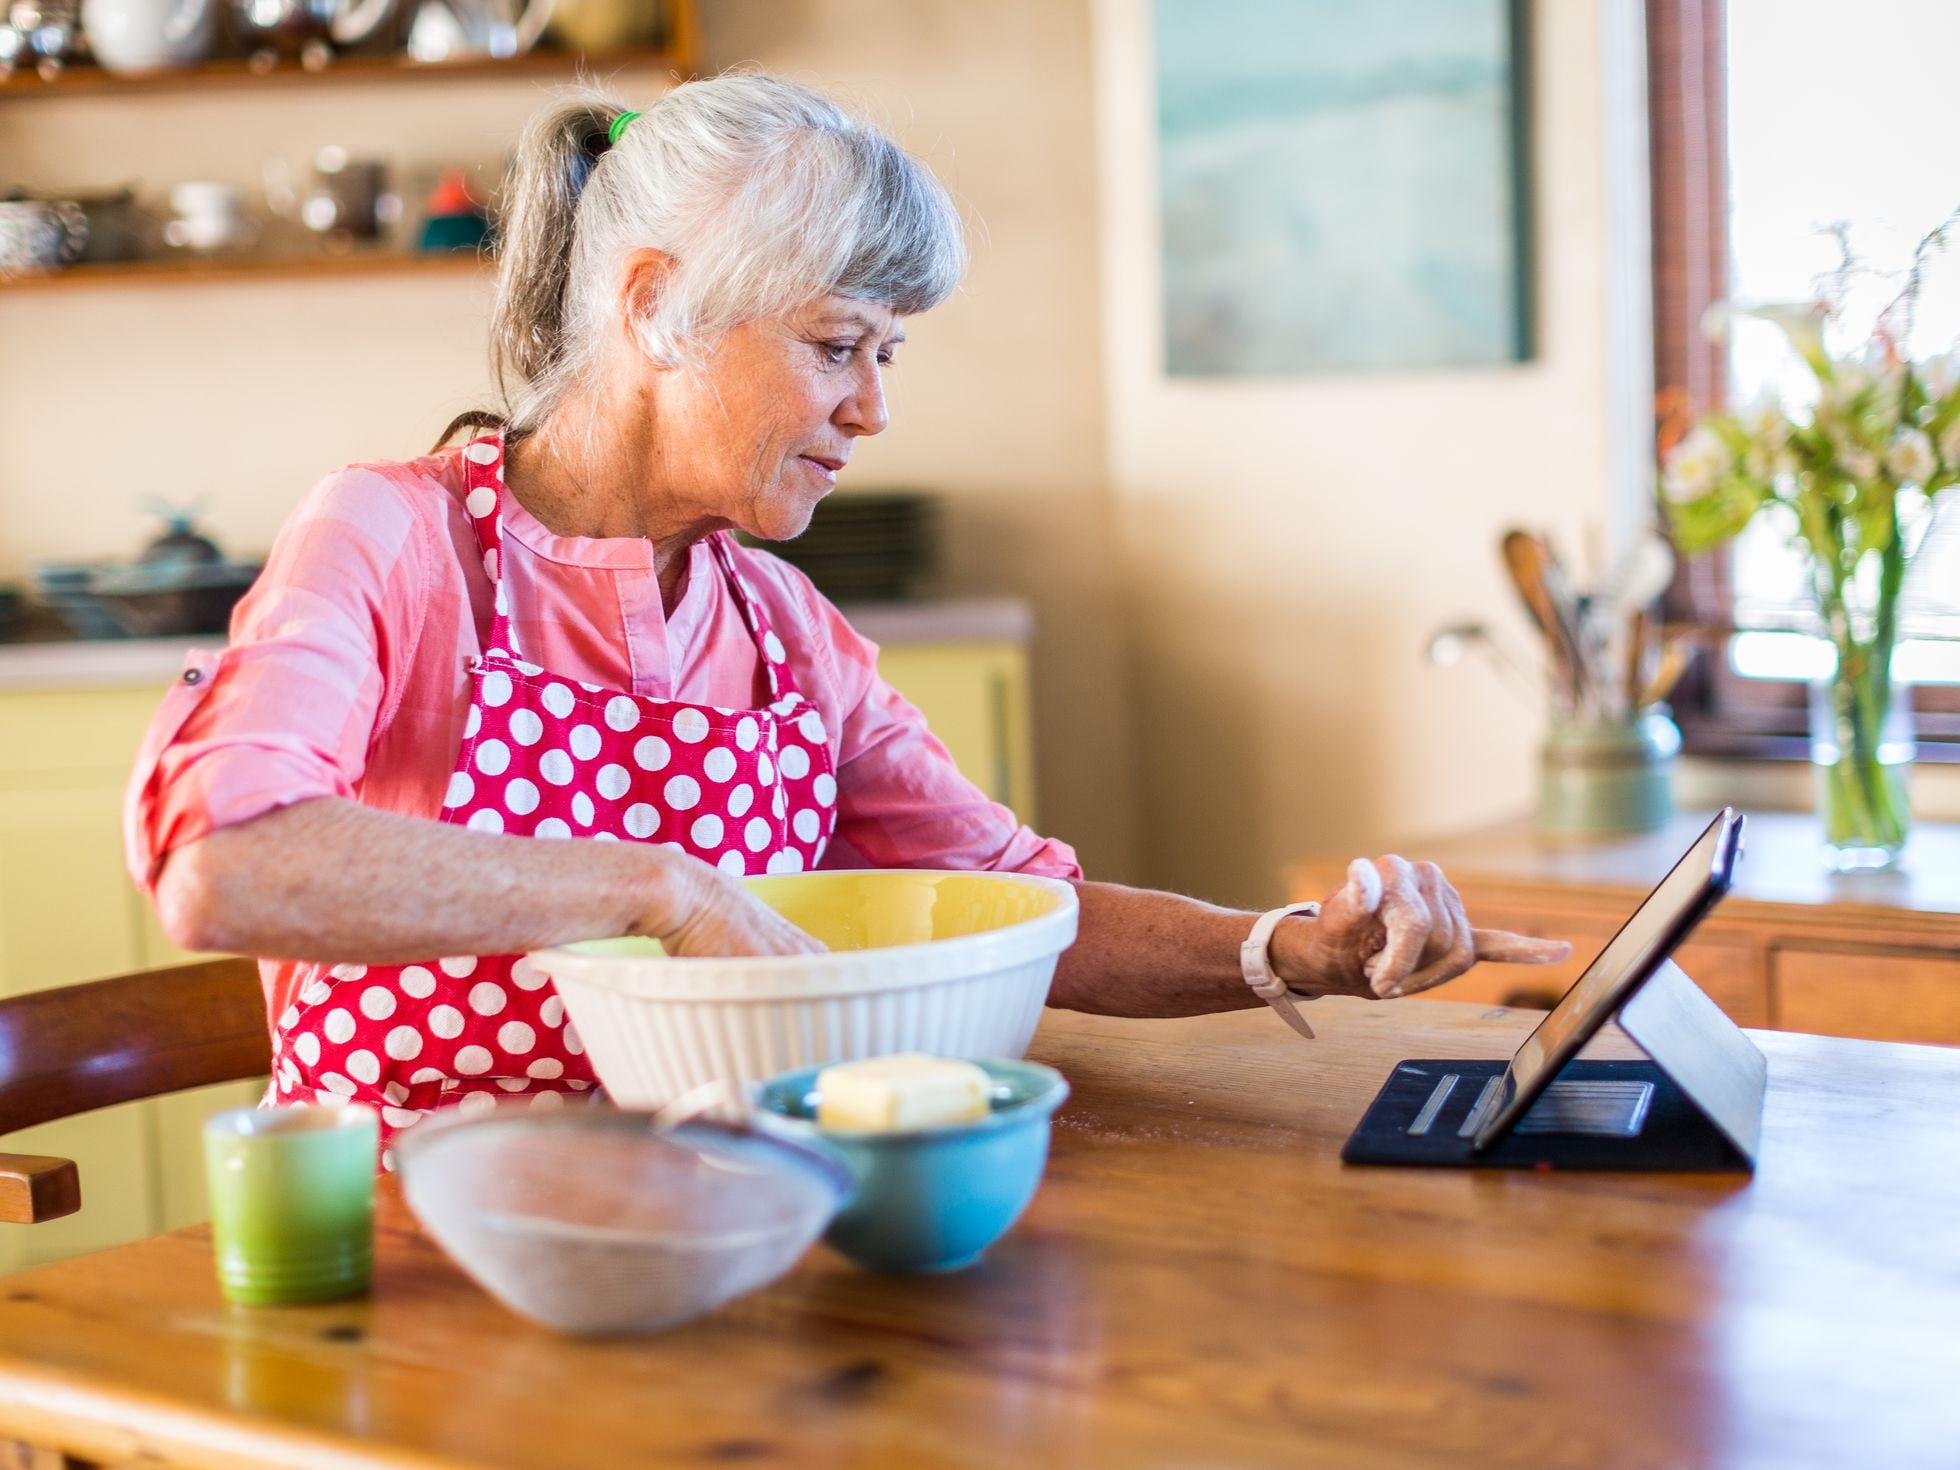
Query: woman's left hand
x=1394 y=928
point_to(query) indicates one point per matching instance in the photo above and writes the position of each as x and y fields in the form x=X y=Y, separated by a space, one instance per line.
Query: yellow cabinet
x=975 y=699
x=68 y=911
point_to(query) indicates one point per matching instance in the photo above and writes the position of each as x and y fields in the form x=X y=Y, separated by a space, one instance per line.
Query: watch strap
x=1256 y=964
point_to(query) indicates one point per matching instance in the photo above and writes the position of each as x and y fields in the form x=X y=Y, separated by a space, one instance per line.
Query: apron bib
x=750 y=791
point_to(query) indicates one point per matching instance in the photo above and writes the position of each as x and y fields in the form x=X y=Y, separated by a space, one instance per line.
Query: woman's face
x=760 y=435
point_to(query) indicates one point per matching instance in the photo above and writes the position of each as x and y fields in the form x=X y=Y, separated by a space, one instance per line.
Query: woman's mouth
x=825 y=470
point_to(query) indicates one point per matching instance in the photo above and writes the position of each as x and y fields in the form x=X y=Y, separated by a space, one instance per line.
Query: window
x=1754 y=152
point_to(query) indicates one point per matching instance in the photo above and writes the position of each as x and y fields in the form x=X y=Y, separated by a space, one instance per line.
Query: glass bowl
x=593 y=1220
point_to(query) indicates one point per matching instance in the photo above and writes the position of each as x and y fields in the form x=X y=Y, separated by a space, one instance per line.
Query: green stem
x=1865 y=797
x=1864 y=800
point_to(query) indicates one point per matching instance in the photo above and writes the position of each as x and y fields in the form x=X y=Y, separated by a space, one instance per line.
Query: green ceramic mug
x=292 y=1202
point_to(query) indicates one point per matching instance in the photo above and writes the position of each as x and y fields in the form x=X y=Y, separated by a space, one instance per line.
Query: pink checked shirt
x=346 y=675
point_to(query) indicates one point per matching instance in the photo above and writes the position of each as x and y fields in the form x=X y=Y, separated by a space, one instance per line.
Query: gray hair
x=764 y=194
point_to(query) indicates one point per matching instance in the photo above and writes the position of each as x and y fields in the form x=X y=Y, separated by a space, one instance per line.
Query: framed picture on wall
x=1344 y=186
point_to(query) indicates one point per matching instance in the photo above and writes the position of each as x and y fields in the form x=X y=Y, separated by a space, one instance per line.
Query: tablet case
x=1695 y=1104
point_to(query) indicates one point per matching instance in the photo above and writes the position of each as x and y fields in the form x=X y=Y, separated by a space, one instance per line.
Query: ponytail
x=554 y=159
x=555 y=156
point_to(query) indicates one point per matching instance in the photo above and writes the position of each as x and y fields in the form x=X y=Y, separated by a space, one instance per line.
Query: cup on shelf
x=210 y=217
x=348 y=201
x=350 y=196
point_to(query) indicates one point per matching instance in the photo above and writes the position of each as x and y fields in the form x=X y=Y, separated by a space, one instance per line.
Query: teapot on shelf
x=450 y=30
x=134 y=37
x=314 y=29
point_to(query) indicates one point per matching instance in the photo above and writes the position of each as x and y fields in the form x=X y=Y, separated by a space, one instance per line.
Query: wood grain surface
x=1199 y=1283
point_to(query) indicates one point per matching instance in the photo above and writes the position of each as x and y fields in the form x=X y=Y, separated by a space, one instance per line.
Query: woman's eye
x=838 y=352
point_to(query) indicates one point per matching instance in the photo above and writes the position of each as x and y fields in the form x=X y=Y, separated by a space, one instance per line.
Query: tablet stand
x=1695 y=1103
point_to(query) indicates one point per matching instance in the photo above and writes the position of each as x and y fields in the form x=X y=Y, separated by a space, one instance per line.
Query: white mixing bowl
x=953 y=964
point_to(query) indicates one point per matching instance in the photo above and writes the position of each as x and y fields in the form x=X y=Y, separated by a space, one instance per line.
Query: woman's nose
x=864 y=412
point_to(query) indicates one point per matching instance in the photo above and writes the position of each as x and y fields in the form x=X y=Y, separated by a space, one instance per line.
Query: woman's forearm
x=1392 y=929
x=330 y=880
x=1141 y=953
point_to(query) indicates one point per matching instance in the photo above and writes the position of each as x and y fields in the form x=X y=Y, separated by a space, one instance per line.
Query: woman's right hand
x=713 y=914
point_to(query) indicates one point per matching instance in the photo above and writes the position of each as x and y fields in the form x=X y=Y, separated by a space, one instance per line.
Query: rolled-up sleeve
x=902 y=802
x=289 y=709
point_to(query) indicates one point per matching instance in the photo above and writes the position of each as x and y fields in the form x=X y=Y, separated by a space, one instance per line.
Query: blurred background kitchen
x=1166 y=519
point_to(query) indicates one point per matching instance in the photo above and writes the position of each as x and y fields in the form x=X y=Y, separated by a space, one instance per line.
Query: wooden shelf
x=238 y=72
x=204 y=269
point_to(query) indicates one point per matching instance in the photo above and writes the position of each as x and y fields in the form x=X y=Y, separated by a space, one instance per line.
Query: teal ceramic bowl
x=928 y=1199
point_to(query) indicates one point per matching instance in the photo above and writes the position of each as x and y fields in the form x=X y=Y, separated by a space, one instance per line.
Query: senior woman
x=547 y=632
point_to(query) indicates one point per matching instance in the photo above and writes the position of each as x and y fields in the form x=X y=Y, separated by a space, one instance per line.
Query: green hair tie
x=619 y=126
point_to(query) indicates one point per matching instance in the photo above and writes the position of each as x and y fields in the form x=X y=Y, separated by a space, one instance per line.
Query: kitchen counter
x=1200 y=1282
x=120 y=662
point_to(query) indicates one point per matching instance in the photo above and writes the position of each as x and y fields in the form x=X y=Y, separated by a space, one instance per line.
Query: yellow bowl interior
x=881 y=909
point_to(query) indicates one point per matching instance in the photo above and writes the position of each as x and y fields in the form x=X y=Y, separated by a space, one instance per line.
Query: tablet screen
x=1670 y=912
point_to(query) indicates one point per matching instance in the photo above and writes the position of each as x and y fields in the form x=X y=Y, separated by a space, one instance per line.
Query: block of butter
x=910 y=1090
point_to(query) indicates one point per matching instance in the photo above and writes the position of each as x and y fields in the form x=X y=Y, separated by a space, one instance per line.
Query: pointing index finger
x=1507 y=948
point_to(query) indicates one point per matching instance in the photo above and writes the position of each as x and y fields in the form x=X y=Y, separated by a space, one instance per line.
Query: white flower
x=1950 y=443
x=1941 y=374
x=1858 y=463
x=1910 y=459
x=1765 y=422
x=1802 y=322
x=1698 y=461
x=1834 y=398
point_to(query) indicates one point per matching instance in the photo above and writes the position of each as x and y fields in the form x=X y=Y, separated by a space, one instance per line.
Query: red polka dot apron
x=750 y=791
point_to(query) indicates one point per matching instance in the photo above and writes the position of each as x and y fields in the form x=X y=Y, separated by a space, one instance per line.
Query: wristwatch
x=1256 y=965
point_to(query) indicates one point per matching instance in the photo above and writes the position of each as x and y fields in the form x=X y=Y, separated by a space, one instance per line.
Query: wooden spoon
x=1675 y=654
x=1533 y=569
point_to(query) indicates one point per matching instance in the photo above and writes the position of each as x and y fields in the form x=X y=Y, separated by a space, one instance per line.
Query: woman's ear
x=642 y=288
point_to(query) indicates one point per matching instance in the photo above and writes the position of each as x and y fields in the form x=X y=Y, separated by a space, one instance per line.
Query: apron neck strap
x=483 y=462
x=768 y=647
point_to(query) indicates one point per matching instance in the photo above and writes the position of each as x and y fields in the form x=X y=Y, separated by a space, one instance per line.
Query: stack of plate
x=65 y=588
x=865 y=547
x=154 y=600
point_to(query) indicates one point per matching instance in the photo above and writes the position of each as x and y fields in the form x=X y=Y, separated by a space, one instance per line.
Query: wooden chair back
x=80 y=1047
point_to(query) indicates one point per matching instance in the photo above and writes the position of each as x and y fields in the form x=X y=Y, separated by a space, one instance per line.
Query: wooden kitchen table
x=1200 y=1283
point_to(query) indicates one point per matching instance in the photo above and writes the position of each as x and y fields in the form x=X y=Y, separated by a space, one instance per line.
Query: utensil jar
x=1600 y=778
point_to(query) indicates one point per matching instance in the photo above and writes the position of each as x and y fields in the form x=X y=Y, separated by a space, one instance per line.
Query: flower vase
x=1861 y=749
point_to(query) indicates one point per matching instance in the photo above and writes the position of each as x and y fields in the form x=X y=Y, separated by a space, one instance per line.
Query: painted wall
x=1289 y=544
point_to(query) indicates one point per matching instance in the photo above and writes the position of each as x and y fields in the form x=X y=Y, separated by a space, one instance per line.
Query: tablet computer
x=1424 y=1115
x=1679 y=901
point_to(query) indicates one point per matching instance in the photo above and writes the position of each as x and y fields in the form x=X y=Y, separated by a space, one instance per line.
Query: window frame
x=1720 y=713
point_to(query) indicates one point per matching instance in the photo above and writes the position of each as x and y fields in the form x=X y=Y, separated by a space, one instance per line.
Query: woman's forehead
x=866 y=316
